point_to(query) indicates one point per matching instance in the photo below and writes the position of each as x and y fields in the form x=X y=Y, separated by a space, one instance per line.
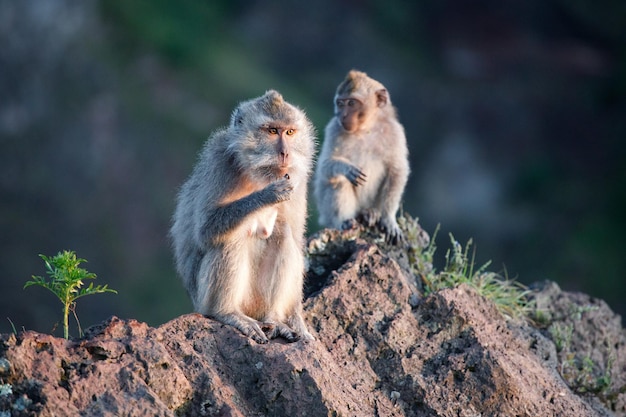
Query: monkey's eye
x=272 y=131
x=340 y=103
x=351 y=103
x=290 y=132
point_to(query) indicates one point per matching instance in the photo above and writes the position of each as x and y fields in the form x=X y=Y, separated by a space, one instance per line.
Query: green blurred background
x=515 y=114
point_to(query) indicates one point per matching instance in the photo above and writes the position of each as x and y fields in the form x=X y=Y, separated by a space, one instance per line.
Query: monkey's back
x=197 y=195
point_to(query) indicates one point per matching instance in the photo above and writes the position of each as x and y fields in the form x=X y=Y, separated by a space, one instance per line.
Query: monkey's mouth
x=283 y=164
x=283 y=170
x=349 y=125
x=275 y=171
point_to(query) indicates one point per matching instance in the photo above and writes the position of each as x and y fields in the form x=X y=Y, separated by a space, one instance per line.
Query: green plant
x=421 y=254
x=510 y=297
x=583 y=375
x=561 y=334
x=581 y=372
x=66 y=280
x=12 y=326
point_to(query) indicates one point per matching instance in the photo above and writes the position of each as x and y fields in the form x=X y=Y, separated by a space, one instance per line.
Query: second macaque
x=363 y=166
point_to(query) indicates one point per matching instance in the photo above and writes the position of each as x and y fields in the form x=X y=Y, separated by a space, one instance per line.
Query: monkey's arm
x=391 y=194
x=335 y=167
x=224 y=218
x=394 y=184
x=393 y=188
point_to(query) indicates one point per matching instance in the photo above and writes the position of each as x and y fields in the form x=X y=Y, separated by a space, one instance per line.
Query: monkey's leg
x=284 y=295
x=340 y=203
x=224 y=281
x=388 y=200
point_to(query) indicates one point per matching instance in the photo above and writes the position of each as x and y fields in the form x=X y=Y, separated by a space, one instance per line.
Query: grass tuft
x=509 y=296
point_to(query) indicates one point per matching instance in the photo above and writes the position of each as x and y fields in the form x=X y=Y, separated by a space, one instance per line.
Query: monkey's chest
x=260 y=225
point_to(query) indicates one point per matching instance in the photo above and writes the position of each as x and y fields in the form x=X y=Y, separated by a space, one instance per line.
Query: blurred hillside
x=515 y=114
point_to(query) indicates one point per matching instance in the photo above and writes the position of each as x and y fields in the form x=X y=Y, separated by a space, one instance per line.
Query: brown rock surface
x=381 y=350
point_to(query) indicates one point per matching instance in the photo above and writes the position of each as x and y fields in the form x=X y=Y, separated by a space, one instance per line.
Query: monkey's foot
x=349 y=224
x=275 y=329
x=392 y=232
x=245 y=325
x=368 y=217
x=306 y=336
x=296 y=322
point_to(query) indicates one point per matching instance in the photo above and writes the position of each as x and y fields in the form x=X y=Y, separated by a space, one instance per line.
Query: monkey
x=363 y=166
x=239 y=222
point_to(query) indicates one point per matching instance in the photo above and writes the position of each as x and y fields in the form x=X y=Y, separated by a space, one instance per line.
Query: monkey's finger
x=395 y=238
x=357 y=178
x=361 y=177
x=279 y=191
x=353 y=181
x=358 y=181
x=287 y=188
x=253 y=331
x=274 y=330
x=286 y=333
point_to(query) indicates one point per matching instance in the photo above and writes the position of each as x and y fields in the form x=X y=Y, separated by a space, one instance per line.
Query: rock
x=382 y=349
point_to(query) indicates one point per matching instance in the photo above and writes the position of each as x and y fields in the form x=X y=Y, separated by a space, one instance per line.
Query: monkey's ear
x=236 y=119
x=382 y=97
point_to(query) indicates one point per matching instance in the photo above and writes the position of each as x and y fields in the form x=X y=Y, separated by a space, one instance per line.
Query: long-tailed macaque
x=363 y=166
x=238 y=229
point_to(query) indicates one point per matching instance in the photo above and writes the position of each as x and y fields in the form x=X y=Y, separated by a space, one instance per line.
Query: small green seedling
x=66 y=280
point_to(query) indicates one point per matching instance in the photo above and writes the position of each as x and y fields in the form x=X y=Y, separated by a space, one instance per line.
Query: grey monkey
x=239 y=224
x=363 y=166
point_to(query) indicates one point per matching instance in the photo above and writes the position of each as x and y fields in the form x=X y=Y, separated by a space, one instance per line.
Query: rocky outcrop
x=381 y=349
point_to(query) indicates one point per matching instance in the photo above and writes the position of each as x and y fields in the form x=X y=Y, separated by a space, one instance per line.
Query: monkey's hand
x=277 y=191
x=355 y=175
x=393 y=234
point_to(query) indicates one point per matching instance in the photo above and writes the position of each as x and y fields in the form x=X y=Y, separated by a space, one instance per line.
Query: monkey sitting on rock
x=363 y=166
x=238 y=228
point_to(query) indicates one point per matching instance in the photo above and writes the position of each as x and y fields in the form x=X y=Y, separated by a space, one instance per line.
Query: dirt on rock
x=381 y=349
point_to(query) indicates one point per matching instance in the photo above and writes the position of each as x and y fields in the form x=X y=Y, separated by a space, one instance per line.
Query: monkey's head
x=272 y=138
x=359 y=100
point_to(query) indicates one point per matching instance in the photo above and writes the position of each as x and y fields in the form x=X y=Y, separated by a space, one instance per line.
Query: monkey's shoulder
x=216 y=144
x=389 y=127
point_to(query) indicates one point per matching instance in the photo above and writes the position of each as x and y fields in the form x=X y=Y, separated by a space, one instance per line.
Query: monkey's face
x=279 y=139
x=350 y=113
x=358 y=102
x=273 y=148
x=272 y=138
